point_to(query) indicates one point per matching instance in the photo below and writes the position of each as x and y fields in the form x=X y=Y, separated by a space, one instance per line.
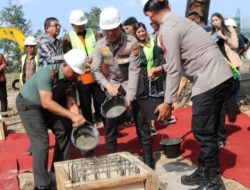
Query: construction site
x=116 y=137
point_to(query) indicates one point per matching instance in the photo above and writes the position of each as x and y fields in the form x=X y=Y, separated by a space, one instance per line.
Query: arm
x=182 y=85
x=134 y=70
x=173 y=65
x=97 y=66
x=232 y=40
x=49 y=104
x=173 y=68
x=3 y=63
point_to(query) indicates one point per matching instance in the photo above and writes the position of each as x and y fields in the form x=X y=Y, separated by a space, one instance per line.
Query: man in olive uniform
x=47 y=100
x=189 y=49
x=116 y=66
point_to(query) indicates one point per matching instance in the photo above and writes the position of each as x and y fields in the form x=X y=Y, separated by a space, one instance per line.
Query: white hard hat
x=75 y=58
x=77 y=17
x=231 y=22
x=110 y=18
x=30 y=41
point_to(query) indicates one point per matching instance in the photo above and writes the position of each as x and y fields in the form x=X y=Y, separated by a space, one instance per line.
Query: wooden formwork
x=147 y=179
x=6 y=117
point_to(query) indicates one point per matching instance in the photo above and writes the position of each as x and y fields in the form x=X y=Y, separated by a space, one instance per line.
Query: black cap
x=155 y=5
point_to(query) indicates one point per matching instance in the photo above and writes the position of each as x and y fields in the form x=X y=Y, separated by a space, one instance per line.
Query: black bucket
x=85 y=138
x=115 y=109
x=171 y=147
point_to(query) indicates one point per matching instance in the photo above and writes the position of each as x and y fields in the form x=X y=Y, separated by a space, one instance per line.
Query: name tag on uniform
x=121 y=61
x=123 y=57
x=108 y=60
x=107 y=56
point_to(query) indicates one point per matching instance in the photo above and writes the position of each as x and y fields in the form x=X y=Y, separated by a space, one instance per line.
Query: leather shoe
x=214 y=183
x=42 y=188
x=196 y=178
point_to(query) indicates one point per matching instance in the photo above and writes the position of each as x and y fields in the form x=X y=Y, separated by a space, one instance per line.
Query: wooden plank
x=12 y=116
x=12 y=112
x=137 y=186
x=2 y=134
x=115 y=182
x=146 y=180
x=62 y=178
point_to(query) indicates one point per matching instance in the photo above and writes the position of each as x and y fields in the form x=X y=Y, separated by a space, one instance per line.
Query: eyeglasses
x=56 y=25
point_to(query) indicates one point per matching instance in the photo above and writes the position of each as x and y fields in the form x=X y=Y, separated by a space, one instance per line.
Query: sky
x=38 y=10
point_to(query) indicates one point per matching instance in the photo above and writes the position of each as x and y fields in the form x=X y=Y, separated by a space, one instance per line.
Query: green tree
x=93 y=17
x=12 y=15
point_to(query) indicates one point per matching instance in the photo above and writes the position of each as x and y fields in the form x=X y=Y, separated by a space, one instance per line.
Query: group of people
x=55 y=73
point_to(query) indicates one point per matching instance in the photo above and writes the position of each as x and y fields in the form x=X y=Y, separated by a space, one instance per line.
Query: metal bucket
x=171 y=147
x=85 y=138
x=115 y=109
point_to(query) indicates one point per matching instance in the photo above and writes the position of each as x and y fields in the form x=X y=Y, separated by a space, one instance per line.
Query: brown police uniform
x=119 y=64
x=190 y=49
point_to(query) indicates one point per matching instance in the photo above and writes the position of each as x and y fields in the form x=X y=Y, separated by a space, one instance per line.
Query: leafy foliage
x=12 y=16
x=93 y=17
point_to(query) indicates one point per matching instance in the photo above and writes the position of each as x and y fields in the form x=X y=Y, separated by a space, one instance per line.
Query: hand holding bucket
x=115 y=109
x=85 y=137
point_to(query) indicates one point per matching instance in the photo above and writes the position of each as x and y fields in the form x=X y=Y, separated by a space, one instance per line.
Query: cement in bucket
x=85 y=138
x=115 y=111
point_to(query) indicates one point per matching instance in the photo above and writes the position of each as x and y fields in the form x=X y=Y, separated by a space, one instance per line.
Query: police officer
x=84 y=39
x=189 y=49
x=51 y=104
x=116 y=66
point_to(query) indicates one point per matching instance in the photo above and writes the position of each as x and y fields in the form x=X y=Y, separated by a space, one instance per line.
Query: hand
x=154 y=72
x=220 y=34
x=112 y=90
x=164 y=110
x=3 y=66
x=77 y=120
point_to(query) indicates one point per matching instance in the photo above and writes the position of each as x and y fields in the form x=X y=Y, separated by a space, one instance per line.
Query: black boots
x=196 y=178
x=207 y=179
x=42 y=188
x=110 y=147
x=149 y=160
x=148 y=156
x=213 y=183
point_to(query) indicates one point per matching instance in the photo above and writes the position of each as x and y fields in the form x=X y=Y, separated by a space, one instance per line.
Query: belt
x=28 y=104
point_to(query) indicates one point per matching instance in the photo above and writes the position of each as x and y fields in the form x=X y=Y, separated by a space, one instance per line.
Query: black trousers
x=36 y=122
x=142 y=130
x=206 y=117
x=230 y=108
x=86 y=93
x=3 y=96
